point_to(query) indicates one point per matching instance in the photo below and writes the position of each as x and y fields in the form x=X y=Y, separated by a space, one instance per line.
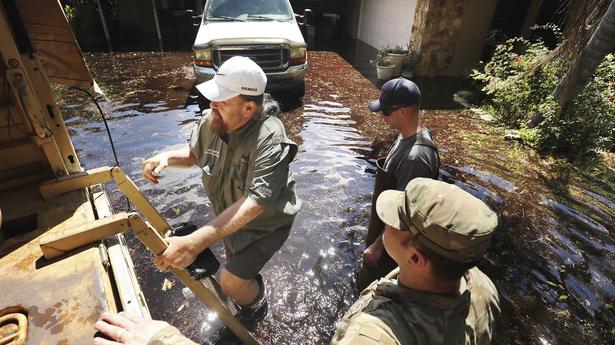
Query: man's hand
x=126 y=328
x=181 y=158
x=181 y=252
x=153 y=166
x=373 y=253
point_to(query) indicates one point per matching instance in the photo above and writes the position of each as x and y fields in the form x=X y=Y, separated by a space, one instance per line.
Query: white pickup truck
x=266 y=31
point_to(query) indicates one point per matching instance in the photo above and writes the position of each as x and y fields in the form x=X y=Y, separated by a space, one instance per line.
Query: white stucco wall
x=386 y=22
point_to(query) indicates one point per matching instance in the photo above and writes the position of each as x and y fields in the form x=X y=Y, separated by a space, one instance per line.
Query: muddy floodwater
x=552 y=259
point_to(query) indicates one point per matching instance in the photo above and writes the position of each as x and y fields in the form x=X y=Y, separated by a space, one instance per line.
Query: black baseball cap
x=399 y=91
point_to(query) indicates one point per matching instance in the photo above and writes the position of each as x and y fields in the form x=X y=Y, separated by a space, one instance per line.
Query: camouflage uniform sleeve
x=170 y=336
x=485 y=307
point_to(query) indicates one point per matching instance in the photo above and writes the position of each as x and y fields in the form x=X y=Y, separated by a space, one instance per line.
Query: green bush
x=517 y=86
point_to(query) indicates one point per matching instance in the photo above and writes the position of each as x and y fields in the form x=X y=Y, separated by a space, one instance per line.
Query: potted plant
x=410 y=61
x=384 y=69
x=396 y=55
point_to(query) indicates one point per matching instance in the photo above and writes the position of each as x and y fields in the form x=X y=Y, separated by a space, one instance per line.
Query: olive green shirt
x=251 y=162
x=387 y=313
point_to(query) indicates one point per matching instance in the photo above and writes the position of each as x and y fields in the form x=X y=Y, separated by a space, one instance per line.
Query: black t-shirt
x=412 y=157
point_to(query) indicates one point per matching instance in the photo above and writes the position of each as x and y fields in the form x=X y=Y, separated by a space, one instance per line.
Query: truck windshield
x=248 y=10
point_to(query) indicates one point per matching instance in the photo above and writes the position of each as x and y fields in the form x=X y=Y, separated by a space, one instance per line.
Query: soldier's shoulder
x=480 y=279
x=484 y=292
x=366 y=329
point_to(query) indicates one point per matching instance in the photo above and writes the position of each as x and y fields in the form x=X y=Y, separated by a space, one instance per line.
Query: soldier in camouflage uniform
x=436 y=233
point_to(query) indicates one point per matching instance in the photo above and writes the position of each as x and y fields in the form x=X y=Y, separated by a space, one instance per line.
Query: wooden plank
x=52 y=189
x=156 y=244
x=23 y=180
x=56 y=244
x=140 y=201
x=19 y=152
x=59 y=186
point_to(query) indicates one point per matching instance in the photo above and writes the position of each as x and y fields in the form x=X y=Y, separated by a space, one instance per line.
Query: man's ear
x=250 y=107
x=416 y=258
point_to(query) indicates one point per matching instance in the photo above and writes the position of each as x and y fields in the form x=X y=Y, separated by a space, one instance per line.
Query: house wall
x=386 y=22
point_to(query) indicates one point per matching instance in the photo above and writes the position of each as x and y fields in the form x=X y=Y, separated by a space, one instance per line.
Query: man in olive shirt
x=412 y=155
x=244 y=154
x=436 y=232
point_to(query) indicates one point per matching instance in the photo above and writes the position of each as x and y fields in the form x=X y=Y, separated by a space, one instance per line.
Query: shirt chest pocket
x=239 y=173
x=211 y=173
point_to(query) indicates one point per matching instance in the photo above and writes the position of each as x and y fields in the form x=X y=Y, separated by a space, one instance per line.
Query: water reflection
x=322 y=254
x=553 y=257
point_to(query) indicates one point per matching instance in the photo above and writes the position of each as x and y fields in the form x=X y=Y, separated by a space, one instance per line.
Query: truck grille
x=271 y=58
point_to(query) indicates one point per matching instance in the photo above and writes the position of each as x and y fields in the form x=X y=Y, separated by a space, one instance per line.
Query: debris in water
x=167 y=284
x=181 y=307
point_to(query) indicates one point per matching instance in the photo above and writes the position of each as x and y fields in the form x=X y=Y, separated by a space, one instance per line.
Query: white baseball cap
x=237 y=76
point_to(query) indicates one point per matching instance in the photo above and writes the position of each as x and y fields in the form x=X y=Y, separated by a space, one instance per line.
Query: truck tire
x=299 y=91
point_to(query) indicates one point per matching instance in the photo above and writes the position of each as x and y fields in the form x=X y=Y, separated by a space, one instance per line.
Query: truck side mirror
x=306 y=19
x=196 y=20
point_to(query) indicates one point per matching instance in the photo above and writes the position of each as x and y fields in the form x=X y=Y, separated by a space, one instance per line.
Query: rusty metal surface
x=62 y=297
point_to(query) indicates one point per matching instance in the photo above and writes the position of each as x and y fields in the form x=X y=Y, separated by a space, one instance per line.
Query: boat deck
x=63 y=297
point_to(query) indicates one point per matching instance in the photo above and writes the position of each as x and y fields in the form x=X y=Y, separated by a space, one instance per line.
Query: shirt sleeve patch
x=269 y=174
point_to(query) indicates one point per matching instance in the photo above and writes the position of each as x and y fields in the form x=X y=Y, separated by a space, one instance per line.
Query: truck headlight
x=298 y=56
x=202 y=58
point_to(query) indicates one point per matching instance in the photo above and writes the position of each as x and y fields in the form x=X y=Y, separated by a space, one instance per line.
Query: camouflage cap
x=442 y=216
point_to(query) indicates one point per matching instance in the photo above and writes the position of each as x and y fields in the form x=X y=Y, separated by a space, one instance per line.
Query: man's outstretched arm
x=181 y=158
x=183 y=250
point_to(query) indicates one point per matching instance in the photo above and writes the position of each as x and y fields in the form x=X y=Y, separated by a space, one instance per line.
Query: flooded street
x=552 y=259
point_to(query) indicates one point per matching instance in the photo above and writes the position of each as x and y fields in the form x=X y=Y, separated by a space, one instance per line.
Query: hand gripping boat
x=63 y=260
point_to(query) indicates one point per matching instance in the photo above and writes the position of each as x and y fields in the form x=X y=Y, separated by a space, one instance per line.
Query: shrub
x=589 y=120
x=411 y=59
x=517 y=86
x=396 y=49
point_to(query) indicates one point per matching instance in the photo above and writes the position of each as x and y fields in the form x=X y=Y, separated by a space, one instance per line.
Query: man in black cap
x=412 y=155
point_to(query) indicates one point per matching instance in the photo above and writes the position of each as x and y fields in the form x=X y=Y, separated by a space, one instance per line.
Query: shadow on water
x=552 y=258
